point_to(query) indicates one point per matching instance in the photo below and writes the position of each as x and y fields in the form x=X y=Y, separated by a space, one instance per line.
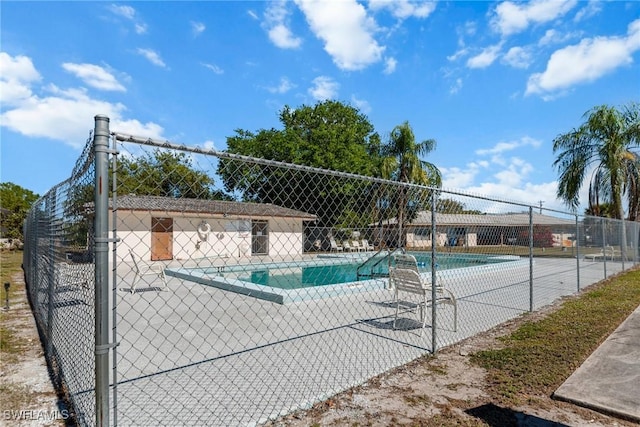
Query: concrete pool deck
x=198 y=355
x=236 y=278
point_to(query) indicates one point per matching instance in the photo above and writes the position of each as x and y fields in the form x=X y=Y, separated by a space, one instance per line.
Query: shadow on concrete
x=497 y=416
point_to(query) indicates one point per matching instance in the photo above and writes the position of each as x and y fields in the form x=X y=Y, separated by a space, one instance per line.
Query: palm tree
x=603 y=144
x=401 y=161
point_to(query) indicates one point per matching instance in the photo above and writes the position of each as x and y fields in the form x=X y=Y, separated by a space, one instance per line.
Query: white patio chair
x=607 y=253
x=367 y=246
x=405 y=277
x=142 y=268
x=334 y=246
x=347 y=246
x=356 y=246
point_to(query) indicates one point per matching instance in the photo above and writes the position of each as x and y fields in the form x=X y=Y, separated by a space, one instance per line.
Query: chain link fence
x=241 y=289
x=59 y=271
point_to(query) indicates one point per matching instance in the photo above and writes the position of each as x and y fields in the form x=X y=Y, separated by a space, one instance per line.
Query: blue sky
x=492 y=82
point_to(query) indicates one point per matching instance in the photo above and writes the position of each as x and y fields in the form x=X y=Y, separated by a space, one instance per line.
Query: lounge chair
x=607 y=253
x=356 y=246
x=367 y=246
x=347 y=246
x=405 y=277
x=142 y=268
x=335 y=247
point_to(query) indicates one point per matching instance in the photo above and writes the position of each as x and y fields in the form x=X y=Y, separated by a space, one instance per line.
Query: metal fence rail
x=242 y=289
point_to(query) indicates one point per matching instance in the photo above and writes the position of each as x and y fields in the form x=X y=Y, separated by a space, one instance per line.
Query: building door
x=259 y=237
x=161 y=239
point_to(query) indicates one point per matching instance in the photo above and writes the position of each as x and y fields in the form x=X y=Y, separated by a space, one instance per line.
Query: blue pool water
x=323 y=275
x=331 y=276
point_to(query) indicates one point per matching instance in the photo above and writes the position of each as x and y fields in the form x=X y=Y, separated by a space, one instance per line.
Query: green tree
x=451 y=206
x=16 y=202
x=329 y=135
x=606 y=142
x=164 y=173
x=603 y=210
x=401 y=161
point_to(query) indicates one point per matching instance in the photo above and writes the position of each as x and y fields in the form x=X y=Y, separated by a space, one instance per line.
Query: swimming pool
x=331 y=274
x=324 y=277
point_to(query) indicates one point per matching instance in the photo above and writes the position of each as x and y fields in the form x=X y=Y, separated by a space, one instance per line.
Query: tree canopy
x=401 y=158
x=401 y=161
x=164 y=173
x=329 y=135
x=605 y=145
x=16 y=202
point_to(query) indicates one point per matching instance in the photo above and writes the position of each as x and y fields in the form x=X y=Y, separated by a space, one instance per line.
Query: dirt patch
x=441 y=390
x=27 y=397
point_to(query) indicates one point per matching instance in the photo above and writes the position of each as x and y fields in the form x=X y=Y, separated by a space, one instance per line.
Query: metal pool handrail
x=386 y=257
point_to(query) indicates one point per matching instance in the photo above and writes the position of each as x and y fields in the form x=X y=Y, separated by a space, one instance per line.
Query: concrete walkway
x=609 y=380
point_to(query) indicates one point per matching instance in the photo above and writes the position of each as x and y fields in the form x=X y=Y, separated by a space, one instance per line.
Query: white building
x=163 y=228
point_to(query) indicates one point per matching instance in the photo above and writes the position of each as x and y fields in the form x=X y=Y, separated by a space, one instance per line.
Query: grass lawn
x=540 y=355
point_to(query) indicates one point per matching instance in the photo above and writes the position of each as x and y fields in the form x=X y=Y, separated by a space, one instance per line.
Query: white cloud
x=124 y=11
x=209 y=145
x=456 y=178
x=510 y=18
x=324 y=88
x=516 y=170
x=213 y=68
x=469 y=28
x=129 y=13
x=95 y=76
x=152 y=56
x=64 y=115
x=485 y=58
x=283 y=87
x=585 y=62
x=518 y=57
x=390 y=65
x=458 y=54
x=346 y=30
x=276 y=24
x=140 y=27
x=361 y=104
x=502 y=178
x=67 y=115
x=403 y=9
x=592 y=8
x=16 y=76
x=282 y=37
x=502 y=147
x=197 y=28
x=508 y=180
x=19 y=68
x=525 y=192
x=455 y=88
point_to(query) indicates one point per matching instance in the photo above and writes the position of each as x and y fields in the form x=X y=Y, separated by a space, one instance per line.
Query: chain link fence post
x=530 y=259
x=101 y=248
x=623 y=241
x=434 y=239
x=50 y=267
x=577 y=243
x=604 y=247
